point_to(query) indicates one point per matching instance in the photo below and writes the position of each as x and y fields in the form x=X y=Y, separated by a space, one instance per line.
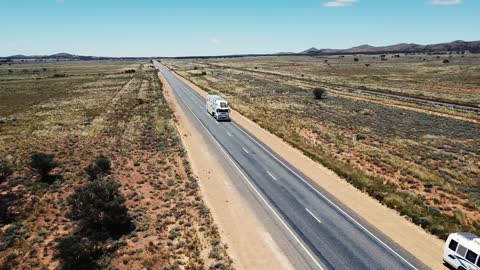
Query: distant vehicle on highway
x=218 y=107
x=461 y=251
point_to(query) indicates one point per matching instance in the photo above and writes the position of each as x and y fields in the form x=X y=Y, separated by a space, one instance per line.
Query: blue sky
x=216 y=27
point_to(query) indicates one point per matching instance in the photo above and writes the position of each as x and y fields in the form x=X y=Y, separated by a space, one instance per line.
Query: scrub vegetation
x=419 y=159
x=93 y=173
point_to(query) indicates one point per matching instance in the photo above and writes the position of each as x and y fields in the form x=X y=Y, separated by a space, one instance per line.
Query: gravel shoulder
x=426 y=247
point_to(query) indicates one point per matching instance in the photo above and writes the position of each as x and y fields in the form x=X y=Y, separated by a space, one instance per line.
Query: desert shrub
x=360 y=137
x=99 y=207
x=356 y=59
x=5 y=170
x=367 y=65
x=446 y=61
x=10 y=71
x=43 y=163
x=76 y=253
x=204 y=73
x=98 y=168
x=57 y=75
x=319 y=93
x=130 y=71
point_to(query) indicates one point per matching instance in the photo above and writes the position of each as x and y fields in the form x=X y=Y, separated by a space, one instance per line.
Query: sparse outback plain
x=88 y=144
x=419 y=159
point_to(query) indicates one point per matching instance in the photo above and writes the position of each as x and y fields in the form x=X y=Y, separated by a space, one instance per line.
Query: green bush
x=319 y=93
x=99 y=207
x=76 y=253
x=5 y=170
x=43 y=163
x=100 y=167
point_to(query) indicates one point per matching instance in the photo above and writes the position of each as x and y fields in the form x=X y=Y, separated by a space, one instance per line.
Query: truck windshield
x=223 y=105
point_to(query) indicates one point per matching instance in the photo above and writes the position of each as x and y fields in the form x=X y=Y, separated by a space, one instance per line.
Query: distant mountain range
x=458 y=45
x=454 y=46
x=62 y=56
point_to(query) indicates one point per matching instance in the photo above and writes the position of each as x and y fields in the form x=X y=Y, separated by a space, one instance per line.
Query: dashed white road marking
x=317 y=219
x=271 y=175
x=246 y=151
x=345 y=214
x=229 y=134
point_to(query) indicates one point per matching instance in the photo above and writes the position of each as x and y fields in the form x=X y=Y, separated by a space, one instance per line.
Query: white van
x=462 y=250
x=218 y=107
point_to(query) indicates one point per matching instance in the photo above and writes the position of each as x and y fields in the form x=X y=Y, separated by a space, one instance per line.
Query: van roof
x=469 y=240
x=215 y=97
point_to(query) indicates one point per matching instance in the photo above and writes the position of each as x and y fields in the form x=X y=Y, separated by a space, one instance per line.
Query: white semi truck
x=218 y=108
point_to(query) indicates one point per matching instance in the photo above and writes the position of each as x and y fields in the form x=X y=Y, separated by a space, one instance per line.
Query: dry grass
x=421 y=161
x=416 y=75
x=96 y=109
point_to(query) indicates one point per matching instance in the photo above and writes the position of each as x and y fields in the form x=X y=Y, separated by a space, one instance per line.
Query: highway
x=318 y=226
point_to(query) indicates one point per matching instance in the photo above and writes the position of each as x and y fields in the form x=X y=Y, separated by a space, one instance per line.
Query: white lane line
x=271 y=175
x=246 y=151
x=328 y=200
x=256 y=191
x=229 y=134
x=319 y=221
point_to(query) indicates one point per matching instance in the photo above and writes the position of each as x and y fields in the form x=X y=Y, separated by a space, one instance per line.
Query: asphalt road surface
x=325 y=233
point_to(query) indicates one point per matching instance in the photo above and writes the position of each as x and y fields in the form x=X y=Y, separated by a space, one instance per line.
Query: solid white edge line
x=329 y=201
x=271 y=175
x=319 y=221
x=255 y=189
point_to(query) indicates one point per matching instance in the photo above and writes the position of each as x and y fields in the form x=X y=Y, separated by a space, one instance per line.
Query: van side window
x=471 y=256
x=461 y=250
x=478 y=262
x=453 y=245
